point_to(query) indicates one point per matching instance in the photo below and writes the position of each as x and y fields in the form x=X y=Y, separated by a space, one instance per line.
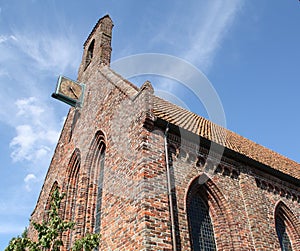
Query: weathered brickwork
x=117 y=121
x=242 y=202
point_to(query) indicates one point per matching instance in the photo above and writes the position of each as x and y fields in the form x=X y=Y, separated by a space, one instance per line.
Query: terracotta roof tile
x=207 y=129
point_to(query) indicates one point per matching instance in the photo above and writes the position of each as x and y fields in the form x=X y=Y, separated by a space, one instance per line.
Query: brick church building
x=142 y=172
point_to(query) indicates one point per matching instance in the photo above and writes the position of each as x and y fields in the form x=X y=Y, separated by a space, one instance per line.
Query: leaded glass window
x=283 y=237
x=99 y=193
x=201 y=228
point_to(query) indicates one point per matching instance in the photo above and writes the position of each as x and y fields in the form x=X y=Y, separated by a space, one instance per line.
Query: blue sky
x=249 y=50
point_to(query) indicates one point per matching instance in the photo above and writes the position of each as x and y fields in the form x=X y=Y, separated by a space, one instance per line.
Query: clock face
x=70 y=89
x=70 y=92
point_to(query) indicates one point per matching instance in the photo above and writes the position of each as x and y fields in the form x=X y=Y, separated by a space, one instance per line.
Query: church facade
x=143 y=172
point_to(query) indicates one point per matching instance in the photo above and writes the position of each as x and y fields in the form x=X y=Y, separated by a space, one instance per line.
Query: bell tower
x=97 y=48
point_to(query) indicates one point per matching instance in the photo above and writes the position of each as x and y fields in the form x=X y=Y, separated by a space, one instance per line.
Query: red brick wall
x=242 y=210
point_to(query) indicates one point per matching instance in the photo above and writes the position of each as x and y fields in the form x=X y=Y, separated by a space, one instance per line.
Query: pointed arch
x=71 y=185
x=208 y=217
x=287 y=227
x=49 y=200
x=71 y=191
x=95 y=163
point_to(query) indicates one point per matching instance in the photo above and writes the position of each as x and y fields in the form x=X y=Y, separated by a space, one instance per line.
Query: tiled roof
x=203 y=127
x=206 y=129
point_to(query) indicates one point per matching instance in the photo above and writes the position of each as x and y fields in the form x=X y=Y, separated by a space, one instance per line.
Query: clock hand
x=72 y=90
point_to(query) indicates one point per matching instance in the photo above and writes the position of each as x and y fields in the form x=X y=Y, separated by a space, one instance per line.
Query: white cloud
x=36 y=135
x=44 y=150
x=219 y=17
x=197 y=37
x=23 y=143
x=4 y=38
x=31 y=143
x=50 y=52
x=29 y=59
x=29 y=179
x=28 y=106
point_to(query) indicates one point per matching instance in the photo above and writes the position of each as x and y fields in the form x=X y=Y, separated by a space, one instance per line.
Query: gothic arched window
x=94 y=183
x=100 y=187
x=95 y=158
x=282 y=234
x=287 y=227
x=72 y=185
x=99 y=162
x=200 y=224
x=71 y=191
x=49 y=200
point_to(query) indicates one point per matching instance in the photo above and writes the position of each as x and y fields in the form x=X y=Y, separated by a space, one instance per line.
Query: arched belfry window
x=286 y=228
x=200 y=223
x=90 y=53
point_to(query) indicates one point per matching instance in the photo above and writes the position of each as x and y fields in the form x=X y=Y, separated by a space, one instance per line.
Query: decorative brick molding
x=202 y=159
x=278 y=189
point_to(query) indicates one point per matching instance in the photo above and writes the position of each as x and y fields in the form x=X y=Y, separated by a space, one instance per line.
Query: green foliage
x=87 y=243
x=19 y=243
x=50 y=233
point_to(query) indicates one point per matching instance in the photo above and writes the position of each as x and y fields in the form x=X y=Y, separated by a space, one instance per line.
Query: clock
x=69 y=91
